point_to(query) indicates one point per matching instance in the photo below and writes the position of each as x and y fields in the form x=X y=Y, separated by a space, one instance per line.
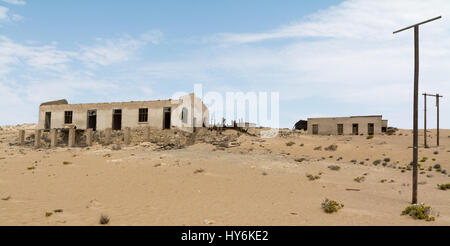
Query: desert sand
x=256 y=182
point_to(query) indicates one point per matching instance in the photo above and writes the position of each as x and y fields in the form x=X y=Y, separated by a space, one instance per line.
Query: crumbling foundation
x=127 y=136
x=107 y=140
x=71 y=142
x=89 y=135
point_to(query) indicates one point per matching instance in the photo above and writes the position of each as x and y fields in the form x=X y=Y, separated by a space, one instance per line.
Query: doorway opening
x=315 y=129
x=117 y=119
x=371 y=129
x=340 y=129
x=167 y=113
x=355 y=129
x=92 y=119
x=48 y=120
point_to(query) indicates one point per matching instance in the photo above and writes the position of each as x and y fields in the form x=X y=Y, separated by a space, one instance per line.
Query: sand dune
x=257 y=182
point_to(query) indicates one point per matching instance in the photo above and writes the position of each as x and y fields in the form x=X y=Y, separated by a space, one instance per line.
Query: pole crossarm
x=431 y=95
x=437 y=96
x=418 y=24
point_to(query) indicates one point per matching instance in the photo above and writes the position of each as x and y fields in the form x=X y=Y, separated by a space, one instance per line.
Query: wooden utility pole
x=437 y=106
x=425 y=120
x=416 y=103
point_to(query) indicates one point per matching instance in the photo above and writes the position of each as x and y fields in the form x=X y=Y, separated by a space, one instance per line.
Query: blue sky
x=326 y=58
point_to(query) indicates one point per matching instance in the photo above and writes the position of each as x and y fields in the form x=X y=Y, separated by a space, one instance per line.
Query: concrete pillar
x=89 y=135
x=53 y=138
x=147 y=134
x=71 y=137
x=127 y=136
x=37 y=138
x=108 y=136
x=22 y=137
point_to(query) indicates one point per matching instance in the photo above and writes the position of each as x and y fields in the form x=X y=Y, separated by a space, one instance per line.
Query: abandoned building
x=354 y=125
x=186 y=113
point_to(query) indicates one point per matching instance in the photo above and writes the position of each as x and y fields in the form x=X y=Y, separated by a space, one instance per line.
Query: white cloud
x=110 y=51
x=3 y=13
x=345 y=55
x=352 y=19
x=31 y=74
x=15 y=2
x=16 y=17
x=36 y=57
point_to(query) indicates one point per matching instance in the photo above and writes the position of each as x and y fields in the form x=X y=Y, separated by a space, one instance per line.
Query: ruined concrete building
x=354 y=125
x=185 y=113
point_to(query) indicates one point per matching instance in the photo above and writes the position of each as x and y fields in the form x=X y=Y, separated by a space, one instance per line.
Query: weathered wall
x=328 y=126
x=130 y=113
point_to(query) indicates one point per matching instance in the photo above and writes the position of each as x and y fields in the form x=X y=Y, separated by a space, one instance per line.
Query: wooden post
x=416 y=114
x=89 y=133
x=53 y=138
x=71 y=137
x=21 y=137
x=37 y=138
x=425 y=121
x=437 y=105
x=416 y=102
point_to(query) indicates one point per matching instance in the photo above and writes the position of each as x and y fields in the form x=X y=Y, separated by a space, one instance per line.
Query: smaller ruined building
x=301 y=125
x=353 y=125
x=186 y=113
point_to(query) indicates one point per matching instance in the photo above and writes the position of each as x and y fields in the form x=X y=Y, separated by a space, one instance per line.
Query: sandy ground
x=256 y=183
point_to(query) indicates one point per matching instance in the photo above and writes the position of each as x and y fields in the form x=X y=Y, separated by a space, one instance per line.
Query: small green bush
x=334 y=167
x=444 y=186
x=369 y=137
x=313 y=177
x=104 y=219
x=424 y=159
x=48 y=214
x=67 y=162
x=201 y=170
x=290 y=143
x=332 y=147
x=419 y=212
x=359 y=179
x=330 y=206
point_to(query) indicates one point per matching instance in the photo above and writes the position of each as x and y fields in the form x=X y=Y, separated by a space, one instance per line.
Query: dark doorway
x=340 y=129
x=117 y=119
x=92 y=119
x=315 y=129
x=48 y=120
x=355 y=129
x=167 y=113
x=370 y=129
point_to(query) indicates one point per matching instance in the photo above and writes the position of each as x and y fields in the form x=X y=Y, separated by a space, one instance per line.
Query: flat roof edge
x=361 y=116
